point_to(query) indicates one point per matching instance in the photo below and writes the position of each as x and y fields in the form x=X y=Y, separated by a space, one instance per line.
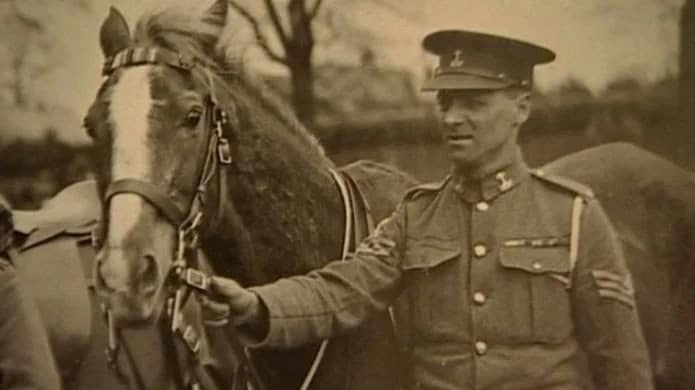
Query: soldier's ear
x=523 y=107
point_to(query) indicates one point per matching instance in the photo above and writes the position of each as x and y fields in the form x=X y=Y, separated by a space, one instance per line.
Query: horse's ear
x=216 y=14
x=215 y=17
x=114 y=35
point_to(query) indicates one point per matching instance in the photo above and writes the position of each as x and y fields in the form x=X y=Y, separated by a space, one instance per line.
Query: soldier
x=26 y=362
x=503 y=274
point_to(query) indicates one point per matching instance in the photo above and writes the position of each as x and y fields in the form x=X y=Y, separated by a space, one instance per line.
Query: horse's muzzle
x=129 y=288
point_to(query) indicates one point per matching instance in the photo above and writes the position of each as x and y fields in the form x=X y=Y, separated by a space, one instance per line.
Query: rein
x=352 y=234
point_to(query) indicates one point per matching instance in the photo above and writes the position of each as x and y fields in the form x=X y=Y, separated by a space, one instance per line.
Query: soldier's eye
x=477 y=103
x=444 y=100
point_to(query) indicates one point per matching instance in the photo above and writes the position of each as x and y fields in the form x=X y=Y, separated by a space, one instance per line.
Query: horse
x=54 y=250
x=194 y=153
x=651 y=202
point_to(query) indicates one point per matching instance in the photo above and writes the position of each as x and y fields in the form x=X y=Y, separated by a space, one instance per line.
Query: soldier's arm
x=335 y=298
x=605 y=314
x=26 y=362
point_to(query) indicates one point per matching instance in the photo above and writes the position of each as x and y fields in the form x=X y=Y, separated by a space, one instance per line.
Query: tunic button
x=480 y=250
x=536 y=265
x=482 y=206
x=480 y=347
x=479 y=298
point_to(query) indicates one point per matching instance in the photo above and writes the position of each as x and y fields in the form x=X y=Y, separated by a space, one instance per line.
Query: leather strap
x=149 y=192
x=353 y=204
x=147 y=56
x=577 y=207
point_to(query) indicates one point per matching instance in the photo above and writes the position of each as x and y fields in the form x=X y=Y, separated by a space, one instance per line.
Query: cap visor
x=459 y=81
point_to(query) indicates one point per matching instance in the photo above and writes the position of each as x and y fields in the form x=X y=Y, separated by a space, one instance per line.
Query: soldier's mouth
x=459 y=139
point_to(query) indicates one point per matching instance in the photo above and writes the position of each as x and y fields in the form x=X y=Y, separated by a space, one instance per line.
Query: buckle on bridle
x=196 y=280
x=188 y=234
x=185 y=62
x=190 y=337
x=224 y=152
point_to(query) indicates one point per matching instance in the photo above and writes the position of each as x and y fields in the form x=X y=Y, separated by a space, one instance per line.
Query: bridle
x=183 y=278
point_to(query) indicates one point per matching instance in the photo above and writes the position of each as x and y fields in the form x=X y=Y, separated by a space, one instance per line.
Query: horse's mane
x=180 y=28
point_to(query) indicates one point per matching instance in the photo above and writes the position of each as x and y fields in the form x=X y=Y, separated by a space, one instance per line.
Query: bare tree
x=291 y=39
x=686 y=83
x=297 y=42
x=29 y=47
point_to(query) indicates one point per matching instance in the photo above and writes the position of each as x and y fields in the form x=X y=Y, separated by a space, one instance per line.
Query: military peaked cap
x=473 y=60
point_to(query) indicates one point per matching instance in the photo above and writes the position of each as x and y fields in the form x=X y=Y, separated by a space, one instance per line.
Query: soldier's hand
x=229 y=303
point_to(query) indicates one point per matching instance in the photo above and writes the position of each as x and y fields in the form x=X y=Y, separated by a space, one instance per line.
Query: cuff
x=260 y=331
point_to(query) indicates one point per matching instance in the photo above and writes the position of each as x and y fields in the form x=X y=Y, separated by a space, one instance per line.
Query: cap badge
x=457 y=61
x=505 y=182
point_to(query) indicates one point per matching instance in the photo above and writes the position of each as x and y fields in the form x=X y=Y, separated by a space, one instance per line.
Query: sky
x=595 y=40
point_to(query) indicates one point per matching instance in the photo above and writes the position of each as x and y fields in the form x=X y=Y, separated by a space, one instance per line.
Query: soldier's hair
x=515 y=90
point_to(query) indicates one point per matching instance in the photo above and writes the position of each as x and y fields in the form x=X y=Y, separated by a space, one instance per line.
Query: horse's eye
x=192 y=118
x=89 y=130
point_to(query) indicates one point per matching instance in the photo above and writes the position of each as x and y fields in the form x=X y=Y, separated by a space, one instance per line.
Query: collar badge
x=505 y=183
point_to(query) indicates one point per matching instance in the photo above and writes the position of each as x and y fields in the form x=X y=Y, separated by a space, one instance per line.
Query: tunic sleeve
x=341 y=295
x=604 y=308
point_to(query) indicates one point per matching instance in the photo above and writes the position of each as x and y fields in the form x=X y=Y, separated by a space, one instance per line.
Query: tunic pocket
x=547 y=270
x=431 y=271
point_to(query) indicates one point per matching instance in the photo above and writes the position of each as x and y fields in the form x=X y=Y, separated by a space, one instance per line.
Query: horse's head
x=173 y=109
x=157 y=130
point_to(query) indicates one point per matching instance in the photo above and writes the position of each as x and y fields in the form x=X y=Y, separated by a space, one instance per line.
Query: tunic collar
x=501 y=179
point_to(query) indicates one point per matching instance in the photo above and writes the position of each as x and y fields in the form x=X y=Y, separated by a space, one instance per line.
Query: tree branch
x=261 y=39
x=314 y=10
x=273 y=12
x=25 y=19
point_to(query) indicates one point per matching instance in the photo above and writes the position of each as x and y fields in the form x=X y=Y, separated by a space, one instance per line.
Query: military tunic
x=489 y=293
x=26 y=362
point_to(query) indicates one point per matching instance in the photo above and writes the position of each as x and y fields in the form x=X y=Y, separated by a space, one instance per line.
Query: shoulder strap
x=415 y=192
x=564 y=183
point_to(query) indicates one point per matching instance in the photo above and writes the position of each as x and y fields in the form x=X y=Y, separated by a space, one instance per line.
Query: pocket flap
x=536 y=260
x=429 y=253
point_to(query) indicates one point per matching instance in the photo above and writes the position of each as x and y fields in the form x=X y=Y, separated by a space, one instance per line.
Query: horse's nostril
x=103 y=275
x=149 y=273
x=100 y=283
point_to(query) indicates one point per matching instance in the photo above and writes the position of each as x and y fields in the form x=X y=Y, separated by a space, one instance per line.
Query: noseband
x=182 y=277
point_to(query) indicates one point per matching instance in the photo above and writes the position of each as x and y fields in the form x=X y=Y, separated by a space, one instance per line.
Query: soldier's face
x=480 y=126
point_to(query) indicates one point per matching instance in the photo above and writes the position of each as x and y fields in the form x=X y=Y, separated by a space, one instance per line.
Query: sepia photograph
x=347 y=194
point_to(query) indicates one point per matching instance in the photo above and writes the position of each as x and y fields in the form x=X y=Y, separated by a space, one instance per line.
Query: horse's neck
x=285 y=216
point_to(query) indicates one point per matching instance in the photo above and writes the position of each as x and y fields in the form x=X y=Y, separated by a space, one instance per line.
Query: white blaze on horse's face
x=130 y=111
